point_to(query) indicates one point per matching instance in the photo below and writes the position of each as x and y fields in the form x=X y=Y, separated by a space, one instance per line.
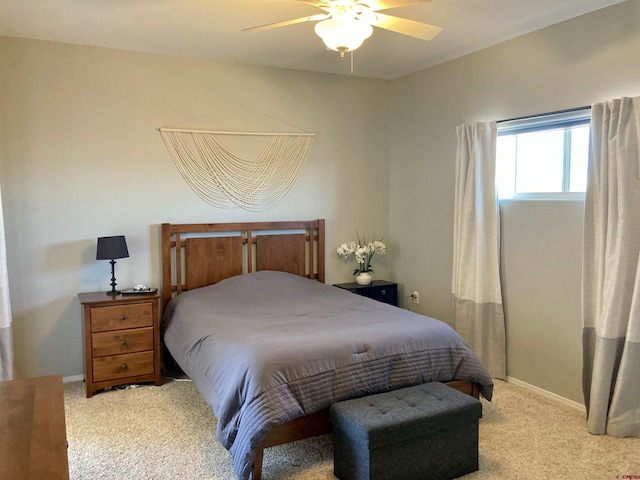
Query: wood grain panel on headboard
x=212 y=259
x=196 y=255
x=286 y=254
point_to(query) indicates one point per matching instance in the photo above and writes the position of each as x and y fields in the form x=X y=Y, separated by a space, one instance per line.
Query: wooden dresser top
x=33 y=429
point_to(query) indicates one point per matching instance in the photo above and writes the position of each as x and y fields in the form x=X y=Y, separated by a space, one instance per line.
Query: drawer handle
x=123 y=317
x=384 y=292
x=123 y=366
x=123 y=342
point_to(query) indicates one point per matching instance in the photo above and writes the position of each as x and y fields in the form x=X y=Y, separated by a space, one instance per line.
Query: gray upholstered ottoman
x=424 y=432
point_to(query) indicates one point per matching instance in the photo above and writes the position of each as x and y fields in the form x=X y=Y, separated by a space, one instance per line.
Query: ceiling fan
x=348 y=23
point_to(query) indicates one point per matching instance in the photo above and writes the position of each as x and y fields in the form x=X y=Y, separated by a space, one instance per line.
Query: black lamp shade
x=110 y=248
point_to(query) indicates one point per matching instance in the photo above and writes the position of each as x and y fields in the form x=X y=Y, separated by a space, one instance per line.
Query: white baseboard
x=547 y=394
x=72 y=378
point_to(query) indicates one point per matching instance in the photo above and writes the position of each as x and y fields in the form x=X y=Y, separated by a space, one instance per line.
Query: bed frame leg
x=257 y=465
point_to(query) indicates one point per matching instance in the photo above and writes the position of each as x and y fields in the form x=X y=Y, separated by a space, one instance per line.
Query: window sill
x=551 y=196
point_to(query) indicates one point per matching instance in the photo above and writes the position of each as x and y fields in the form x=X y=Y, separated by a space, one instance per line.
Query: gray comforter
x=268 y=347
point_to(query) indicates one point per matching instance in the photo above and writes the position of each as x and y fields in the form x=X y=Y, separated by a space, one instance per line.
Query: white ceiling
x=212 y=29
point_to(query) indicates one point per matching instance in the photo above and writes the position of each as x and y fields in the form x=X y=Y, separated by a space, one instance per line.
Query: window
x=544 y=156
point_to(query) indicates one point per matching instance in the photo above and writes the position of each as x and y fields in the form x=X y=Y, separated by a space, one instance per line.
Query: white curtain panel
x=611 y=271
x=477 y=311
x=6 y=337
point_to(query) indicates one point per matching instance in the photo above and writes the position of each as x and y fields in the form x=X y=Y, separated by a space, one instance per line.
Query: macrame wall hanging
x=226 y=180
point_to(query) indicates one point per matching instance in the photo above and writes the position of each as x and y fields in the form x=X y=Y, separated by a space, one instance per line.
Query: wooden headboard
x=199 y=254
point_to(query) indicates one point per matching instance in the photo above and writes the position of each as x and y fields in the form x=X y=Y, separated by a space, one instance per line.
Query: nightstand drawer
x=122 y=341
x=386 y=294
x=117 y=317
x=380 y=290
x=122 y=366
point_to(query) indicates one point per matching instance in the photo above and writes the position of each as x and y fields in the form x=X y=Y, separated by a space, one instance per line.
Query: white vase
x=363 y=278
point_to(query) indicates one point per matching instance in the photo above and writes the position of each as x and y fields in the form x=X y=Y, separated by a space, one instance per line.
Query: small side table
x=381 y=290
x=121 y=339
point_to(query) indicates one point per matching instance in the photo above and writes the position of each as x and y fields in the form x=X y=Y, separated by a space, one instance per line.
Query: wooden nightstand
x=380 y=290
x=121 y=339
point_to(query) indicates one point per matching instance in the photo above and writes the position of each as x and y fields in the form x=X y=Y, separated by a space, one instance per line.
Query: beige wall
x=579 y=62
x=81 y=157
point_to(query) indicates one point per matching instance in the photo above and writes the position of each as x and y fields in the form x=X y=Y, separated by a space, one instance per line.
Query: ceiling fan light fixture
x=343 y=35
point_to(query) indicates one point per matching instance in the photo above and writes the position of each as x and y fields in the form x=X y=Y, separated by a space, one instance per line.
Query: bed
x=270 y=347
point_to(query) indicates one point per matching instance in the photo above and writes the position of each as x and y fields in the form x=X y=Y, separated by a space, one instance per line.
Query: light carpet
x=168 y=433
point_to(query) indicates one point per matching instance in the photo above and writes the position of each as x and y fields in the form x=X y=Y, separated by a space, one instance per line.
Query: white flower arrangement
x=363 y=251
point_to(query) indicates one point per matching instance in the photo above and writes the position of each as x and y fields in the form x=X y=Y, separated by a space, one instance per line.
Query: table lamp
x=110 y=248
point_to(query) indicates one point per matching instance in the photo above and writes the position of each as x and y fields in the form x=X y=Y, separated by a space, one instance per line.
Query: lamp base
x=113 y=291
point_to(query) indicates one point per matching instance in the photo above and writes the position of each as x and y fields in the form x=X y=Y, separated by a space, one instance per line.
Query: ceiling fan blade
x=319 y=3
x=376 y=5
x=269 y=26
x=420 y=30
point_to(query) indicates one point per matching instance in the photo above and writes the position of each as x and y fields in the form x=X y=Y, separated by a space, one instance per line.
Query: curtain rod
x=568 y=110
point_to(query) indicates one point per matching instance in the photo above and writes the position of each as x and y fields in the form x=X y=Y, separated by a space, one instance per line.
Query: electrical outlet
x=416 y=297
